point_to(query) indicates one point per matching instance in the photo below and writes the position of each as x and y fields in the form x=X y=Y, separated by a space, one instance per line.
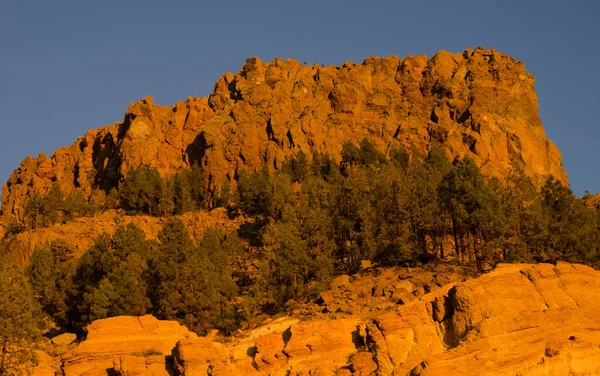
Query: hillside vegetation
x=299 y=174
x=310 y=220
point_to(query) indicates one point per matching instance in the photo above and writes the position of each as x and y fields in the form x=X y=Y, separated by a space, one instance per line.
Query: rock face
x=519 y=319
x=127 y=346
x=478 y=103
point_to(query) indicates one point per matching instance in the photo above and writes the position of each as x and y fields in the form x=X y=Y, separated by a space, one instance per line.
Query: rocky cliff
x=518 y=319
x=479 y=103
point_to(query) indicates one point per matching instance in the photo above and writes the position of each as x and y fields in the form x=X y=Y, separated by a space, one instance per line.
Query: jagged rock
x=129 y=345
x=363 y=364
x=269 y=352
x=326 y=298
x=479 y=103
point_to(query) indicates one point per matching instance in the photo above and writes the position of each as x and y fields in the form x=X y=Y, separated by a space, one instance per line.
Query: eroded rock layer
x=479 y=103
x=519 y=319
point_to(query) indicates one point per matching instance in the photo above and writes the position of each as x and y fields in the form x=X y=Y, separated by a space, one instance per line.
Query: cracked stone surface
x=519 y=319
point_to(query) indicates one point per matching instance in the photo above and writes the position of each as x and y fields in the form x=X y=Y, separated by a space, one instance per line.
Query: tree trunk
x=3 y=360
x=455 y=238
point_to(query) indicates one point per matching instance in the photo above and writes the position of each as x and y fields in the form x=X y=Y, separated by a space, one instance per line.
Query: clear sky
x=67 y=66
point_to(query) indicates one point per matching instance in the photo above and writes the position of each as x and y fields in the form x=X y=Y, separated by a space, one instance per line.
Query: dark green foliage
x=296 y=167
x=76 y=205
x=465 y=196
x=220 y=249
x=225 y=197
x=45 y=210
x=13 y=229
x=192 y=285
x=53 y=204
x=34 y=211
x=51 y=271
x=305 y=222
x=182 y=196
x=400 y=157
x=112 y=199
x=366 y=155
x=112 y=277
x=572 y=227
x=254 y=192
x=355 y=224
x=140 y=192
x=325 y=167
x=198 y=186
x=166 y=203
x=145 y=191
x=19 y=318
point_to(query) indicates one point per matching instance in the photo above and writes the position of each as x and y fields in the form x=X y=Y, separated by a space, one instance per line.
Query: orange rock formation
x=518 y=319
x=479 y=103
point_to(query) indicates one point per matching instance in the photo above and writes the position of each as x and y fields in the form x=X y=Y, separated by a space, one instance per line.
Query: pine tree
x=192 y=284
x=34 y=210
x=198 y=186
x=76 y=205
x=53 y=205
x=113 y=277
x=18 y=318
x=182 y=197
x=141 y=190
x=51 y=271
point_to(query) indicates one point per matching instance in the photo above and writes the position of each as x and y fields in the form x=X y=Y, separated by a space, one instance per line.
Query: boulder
x=201 y=356
x=125 y=344
x=64 y=339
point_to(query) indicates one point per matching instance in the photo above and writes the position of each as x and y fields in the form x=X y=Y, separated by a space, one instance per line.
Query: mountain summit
x=479 y=103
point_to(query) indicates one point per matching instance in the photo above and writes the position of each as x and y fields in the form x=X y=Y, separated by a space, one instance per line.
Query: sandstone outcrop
x=46 y=365
x=518 y=319
x=81 y=234
x=127 y=346
x=479 y=103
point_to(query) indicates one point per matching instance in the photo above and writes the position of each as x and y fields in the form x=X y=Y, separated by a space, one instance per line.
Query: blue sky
x=69 y=66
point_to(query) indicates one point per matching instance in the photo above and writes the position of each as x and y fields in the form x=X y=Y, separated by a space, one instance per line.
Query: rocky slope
x=519 y=319
x=479 y=103
x=81 y=234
